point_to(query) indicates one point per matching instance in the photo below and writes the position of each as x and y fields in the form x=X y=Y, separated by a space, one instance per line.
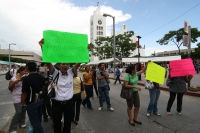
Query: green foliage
x=194 y=55
x=18 y=60
x=104 y=46
x=176 y=37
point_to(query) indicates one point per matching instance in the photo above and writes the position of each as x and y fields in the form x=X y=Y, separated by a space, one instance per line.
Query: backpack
x=8 y=76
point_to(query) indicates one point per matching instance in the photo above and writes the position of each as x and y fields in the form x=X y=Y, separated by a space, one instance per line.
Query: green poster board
x=65 y=47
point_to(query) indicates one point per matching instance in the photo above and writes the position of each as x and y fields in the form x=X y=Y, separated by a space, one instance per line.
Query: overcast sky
x=23 y=21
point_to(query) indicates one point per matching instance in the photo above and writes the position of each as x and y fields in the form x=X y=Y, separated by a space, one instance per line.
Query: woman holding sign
x=131 y=82
x=63 y=101
x=177 y=87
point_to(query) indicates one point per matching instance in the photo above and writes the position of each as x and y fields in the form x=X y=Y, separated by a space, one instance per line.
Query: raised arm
x=144 y=69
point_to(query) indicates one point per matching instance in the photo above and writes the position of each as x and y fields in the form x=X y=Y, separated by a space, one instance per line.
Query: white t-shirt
x=13 y=72
x=64 y=85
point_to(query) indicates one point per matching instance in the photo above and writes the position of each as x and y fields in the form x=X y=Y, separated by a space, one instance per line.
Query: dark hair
x=22 y=68
x=130 y=68
x=57 y=66
x=100 y=64
x=32 y=66
x=42 y=64
x=13 y=65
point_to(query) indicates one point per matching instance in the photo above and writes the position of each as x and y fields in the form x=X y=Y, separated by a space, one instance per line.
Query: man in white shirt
x=13 y=71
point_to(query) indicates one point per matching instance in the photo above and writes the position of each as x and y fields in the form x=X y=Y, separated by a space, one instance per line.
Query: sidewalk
x=194 y=82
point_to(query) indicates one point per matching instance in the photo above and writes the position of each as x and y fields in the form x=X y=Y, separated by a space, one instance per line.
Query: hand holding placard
x=182 y=68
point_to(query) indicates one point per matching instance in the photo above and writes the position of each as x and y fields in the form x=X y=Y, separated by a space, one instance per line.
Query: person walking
x=13 y=71
x=103 y=87
x=63 y=101
x=78 y=87
x=15 y=85
x=177 y=88
x=87 y=75
x=32 y=86
x=154 y=95
x=118 y=74
x=131 y=82
x=94 y=81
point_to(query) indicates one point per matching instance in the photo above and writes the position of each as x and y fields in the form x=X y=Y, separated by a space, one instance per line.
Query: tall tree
x=176 y=37
x=104 y=46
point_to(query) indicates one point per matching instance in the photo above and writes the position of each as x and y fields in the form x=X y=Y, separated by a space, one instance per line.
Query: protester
x=131 y=82
x=87 y=75
x=177 y=87
x=46 y=107
x=32 y=96
x=15 y=85
x=63 y=101
x=103 y=87
x=118 y=74
x=77 y=98
x=94 y=81
x=13 y=71
x=154 y=96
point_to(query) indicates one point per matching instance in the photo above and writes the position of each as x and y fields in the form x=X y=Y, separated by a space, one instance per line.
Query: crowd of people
x=29 y=86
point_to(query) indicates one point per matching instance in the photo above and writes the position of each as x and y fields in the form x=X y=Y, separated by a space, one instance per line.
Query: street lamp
x=139 y=66
x=114 y=48
x=9 y=54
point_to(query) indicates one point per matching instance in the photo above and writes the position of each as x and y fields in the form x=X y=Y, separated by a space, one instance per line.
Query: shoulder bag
x=126 y=93
x=148 y=85
x=52 y=87
x=82 y=91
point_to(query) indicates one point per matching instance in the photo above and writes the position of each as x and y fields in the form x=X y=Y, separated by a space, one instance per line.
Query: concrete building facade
x=174 y=52
x=26 y=55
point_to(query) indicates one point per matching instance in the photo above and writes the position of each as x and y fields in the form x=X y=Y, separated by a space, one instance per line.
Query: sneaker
x=111 y=109
x=148 y=114
x=24 y=125
x=100 y=108
x=157 y=114
x=13 y=132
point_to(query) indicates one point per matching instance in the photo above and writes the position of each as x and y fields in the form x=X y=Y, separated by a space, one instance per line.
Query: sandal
x=168 y=113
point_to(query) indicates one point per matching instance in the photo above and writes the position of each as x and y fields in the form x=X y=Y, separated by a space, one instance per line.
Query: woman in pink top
x=15 y=85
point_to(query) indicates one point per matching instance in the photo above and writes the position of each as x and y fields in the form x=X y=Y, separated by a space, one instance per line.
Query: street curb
x=167 y=89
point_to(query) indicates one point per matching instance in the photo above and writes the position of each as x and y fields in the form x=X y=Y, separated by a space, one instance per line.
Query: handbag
x=82 y=91
x=148 y=85
x=168 y=82
x=52 y=87
x=126 y=93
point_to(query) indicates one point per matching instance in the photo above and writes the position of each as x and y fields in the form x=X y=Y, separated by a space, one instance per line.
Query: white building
x=97 y=29
x=134 y=39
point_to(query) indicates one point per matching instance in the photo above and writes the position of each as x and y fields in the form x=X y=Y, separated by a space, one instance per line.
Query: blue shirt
x=117 y=72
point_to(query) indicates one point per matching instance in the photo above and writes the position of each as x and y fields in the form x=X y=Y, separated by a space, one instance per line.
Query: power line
x=172 y=20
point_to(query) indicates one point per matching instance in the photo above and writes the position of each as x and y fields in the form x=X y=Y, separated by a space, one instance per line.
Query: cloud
x=22 y=21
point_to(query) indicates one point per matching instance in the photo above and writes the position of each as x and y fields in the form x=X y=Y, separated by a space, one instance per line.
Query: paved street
x=6 y=103
x=94 y=121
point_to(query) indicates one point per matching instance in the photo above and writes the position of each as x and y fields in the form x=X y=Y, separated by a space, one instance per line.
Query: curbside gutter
x=167 y=89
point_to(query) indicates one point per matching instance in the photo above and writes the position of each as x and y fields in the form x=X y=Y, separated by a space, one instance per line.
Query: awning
x=154 y=59
x=104 y=61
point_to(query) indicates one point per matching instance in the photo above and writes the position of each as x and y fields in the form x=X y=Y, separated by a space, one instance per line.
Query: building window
x=91 y=23
x=97 y=27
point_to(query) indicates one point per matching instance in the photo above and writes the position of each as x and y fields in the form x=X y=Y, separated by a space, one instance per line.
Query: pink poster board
x=182 y=67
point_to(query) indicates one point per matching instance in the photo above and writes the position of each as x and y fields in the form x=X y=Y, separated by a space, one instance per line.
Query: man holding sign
x=62 y=48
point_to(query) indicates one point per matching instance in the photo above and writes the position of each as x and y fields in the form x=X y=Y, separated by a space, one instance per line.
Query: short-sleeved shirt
x=101 y=82
x=17 y=91
x=89 y=81
x=133 y=80
x=64 y=85
x=117 y=72
x=178 y=85
x=32 y=84
x=14 y=72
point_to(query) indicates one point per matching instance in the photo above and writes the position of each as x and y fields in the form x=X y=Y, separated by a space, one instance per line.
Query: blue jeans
x=154 y=96
x=104 y=95
x=34 y=111
x=89 y=92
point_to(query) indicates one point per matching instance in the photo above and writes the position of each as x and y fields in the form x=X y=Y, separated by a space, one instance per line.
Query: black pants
x=77 y=104
x=95 y=87
x=118 y=78
x=46 y=107
x=179 y=101
x=58 y=108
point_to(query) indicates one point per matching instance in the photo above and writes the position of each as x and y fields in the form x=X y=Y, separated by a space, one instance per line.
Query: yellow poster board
x=155 y=73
